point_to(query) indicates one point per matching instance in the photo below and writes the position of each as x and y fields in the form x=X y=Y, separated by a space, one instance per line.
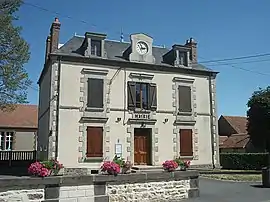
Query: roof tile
x=239 y=123
x=235 y=141
x=24 y=116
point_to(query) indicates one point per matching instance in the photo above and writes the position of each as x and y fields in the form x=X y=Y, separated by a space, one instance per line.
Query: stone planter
x=125 y=170
x=56 y=172
x=266 y=177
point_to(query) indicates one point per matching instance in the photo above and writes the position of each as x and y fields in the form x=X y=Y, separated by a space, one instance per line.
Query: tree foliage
x=14 y=53
x=259 y=118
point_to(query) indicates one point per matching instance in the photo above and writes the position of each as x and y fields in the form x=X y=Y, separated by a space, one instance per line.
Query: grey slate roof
x=114 y=50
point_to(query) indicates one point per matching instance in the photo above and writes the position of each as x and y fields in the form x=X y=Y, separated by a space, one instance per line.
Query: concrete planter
x=266 y=177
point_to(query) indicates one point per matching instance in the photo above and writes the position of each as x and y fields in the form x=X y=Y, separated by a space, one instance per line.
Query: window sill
x=93 y=160
x=186 y=157
x=138 y=110
x=185 y=113
x=92 y=109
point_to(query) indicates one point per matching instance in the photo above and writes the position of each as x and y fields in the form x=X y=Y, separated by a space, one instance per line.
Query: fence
x=16 y=162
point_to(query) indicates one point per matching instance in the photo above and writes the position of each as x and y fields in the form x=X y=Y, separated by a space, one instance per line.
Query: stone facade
x=22 y=195
x=159 y=191
x=154 y=186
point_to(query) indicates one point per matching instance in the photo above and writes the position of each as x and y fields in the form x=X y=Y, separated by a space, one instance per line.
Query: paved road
x=221 y=191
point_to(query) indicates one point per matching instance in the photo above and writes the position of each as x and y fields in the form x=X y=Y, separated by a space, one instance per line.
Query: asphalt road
x=224 y=191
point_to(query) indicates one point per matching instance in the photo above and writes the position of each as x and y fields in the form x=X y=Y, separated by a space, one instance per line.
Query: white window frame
x=8 y=137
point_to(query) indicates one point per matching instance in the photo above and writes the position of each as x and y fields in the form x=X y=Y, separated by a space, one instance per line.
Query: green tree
x=14 y=53
x=258 y=116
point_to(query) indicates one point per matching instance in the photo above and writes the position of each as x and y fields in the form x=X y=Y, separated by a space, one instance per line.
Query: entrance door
x=142 y=146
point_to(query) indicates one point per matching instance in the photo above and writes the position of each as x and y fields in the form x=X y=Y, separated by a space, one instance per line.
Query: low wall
x=154 y=186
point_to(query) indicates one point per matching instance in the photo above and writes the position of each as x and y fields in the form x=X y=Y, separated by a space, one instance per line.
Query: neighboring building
x=228 y=125
x=149 y=104
x=18 y=128
x=235 y=143
x=233 y=135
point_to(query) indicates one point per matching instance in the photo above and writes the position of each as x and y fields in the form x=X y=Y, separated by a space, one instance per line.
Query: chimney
x=48 y=47
x=55 y=30
x=193 y=52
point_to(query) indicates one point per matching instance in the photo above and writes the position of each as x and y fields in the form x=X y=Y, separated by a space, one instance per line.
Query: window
x=142 y=96
x=184 y=95
x=183 y=58
x=186 y=145
x=6 y=140
x=96 y=47
x=95 y=93
x=94 y=142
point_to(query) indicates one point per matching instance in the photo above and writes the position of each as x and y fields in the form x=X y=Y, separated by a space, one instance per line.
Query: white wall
x=69 y=118
x=44 y=111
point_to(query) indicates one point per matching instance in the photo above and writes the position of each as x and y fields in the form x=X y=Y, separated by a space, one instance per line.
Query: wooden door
x=142 y=148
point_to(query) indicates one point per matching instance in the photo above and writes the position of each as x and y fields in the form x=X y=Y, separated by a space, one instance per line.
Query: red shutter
x=94 y=142
x=186 y=143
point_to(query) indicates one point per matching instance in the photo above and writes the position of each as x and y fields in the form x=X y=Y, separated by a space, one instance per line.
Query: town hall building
x=146 y=103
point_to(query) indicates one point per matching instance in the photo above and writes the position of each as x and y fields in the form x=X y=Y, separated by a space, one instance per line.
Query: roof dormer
x=178 y=56
x=94 y=44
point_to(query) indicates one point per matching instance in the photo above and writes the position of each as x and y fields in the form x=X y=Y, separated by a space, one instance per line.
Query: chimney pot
x=56 y=20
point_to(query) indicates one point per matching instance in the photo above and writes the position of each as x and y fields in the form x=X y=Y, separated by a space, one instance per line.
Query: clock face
x=142 y=47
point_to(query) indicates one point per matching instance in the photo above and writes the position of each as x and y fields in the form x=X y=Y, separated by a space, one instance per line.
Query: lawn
x=235 y=177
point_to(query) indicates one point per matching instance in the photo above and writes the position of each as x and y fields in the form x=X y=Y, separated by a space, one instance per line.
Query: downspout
x=57 y=108
x=211 y=121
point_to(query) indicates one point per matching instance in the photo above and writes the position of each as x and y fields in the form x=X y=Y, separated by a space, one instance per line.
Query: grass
x=235 y=177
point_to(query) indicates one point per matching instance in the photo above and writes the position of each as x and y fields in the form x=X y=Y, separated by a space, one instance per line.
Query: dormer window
x=183 y=58
x=93 y=44
x=177 y=56
x=96 y=47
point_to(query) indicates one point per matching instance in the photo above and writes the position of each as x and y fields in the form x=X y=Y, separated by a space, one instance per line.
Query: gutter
x=211 y=121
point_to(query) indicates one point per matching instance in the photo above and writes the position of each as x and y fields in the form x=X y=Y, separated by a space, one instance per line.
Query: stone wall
x=154 y=186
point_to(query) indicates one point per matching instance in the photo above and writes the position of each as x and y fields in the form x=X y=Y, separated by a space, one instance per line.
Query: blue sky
x=223 y=29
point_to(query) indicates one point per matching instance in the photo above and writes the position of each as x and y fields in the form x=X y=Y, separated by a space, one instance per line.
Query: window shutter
x=186 y=143
x=184 y=98
x=131 y=94
x=94 y=142
x=152 y=96
x=95 y=93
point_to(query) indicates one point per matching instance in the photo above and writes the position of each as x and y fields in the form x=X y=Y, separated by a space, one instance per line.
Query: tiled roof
x=235 y=141
x=24 y=116
x=114 y=51
x=222 y=139
x=239 y=123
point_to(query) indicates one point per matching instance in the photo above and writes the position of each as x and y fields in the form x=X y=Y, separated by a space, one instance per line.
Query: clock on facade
x=142 y=47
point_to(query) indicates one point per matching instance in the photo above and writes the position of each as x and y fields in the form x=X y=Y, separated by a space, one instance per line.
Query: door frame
x=148 y=133
x=154 y=139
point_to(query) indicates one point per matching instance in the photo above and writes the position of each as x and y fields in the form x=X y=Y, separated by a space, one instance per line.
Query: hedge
x=243 y=161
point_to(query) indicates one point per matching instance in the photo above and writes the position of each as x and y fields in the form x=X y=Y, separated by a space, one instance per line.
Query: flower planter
x=182 y=168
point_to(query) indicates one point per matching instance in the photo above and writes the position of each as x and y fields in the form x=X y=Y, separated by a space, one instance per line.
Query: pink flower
x=44 y=172
x=187 y=164
x=170 y=165
x=110 y=167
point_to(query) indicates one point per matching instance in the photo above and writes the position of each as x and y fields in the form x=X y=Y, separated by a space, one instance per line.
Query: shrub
x=243 y=161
